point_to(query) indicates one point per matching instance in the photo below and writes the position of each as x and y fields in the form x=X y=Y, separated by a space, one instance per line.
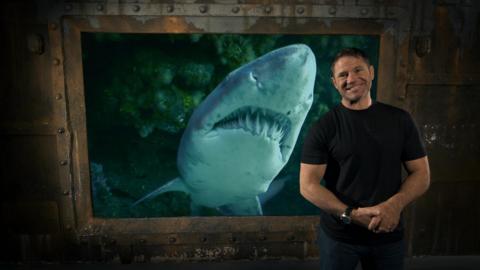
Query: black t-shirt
x=364 y=151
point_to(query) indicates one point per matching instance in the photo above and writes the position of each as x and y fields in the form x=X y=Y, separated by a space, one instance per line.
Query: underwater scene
x=200 y=124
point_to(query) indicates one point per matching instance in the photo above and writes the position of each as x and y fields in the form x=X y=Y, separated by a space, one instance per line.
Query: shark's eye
x=253 y=77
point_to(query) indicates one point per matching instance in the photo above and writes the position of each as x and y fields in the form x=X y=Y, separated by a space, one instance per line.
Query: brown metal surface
x=446 y=219
x=319 y=9
x=428 y=64
x=64 y=133
x=450 y=133
x=35 y=216
x=442 y=95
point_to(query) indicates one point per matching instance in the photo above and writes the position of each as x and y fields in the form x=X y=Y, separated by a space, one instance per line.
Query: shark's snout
x=295 y=50
x=266 y=98
x=298 y=55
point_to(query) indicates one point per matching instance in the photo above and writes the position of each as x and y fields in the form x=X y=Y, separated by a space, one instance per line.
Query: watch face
x=345 y=219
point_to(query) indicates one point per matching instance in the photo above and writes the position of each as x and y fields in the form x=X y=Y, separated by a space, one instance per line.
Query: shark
x=243 y=133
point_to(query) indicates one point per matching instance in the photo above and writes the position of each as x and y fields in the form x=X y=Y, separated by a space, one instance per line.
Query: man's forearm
x=416 y=183
x=328 y=202
x=413 y=187
x=322 y=198
x=314 y=192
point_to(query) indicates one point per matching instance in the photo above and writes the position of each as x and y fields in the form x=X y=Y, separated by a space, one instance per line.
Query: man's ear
x=334 y=82
x=372 y=72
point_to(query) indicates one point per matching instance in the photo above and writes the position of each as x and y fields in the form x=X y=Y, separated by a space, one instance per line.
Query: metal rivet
x=61 y=130
x=332 y=10
x=66 y=192
x=203 y=9
x=58 y=97
x=35 y=44
x=235 y=9
x=99 y=7
x=56 y=61
x=63 y=162
x=267 y=9
x=172 y=240
x=53 y=26
x=136 y=8
x=68 y=7
x=170 y=8
x=204 y=239
x=364 y=11
x=300 y=10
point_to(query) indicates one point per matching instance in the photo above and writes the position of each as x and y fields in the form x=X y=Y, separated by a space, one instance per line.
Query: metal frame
x=72 y=18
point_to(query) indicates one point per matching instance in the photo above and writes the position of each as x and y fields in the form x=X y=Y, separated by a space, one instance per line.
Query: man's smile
x=352 y=87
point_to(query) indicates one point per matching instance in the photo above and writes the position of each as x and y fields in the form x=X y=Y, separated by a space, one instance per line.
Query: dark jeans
x=335 y=255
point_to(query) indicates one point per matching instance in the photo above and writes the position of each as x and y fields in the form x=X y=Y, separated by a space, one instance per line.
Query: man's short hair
x=355 y=52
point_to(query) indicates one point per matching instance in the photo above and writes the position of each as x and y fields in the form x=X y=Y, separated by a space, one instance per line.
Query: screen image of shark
x=240 y=137
x=204 y=125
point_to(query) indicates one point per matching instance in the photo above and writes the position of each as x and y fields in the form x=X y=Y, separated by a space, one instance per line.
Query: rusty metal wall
x=429 y=65
x=443 y=94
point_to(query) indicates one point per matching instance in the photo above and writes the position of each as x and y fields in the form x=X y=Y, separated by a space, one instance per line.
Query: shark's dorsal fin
x=247 y=207
x=176 y=184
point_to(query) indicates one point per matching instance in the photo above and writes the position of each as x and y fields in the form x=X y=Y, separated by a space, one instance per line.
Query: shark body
x=241 y=136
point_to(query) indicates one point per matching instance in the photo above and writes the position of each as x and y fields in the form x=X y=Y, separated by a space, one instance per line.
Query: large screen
x=205 y=124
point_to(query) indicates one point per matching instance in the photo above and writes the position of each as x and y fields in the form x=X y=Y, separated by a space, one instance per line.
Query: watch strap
x=349 y=210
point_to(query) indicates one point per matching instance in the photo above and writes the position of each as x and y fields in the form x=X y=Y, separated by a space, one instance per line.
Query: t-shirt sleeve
x=315 y=148
x=413 y=147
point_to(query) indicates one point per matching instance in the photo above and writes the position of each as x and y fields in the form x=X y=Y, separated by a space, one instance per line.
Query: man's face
x=353 y=78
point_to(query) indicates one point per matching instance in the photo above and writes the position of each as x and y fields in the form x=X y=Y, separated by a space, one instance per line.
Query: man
x=358 y=149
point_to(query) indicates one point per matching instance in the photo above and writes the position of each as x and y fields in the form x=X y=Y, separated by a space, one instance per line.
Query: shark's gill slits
x=257 y=121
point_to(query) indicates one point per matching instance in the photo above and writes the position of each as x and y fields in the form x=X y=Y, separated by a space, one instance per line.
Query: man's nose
x=351 y=77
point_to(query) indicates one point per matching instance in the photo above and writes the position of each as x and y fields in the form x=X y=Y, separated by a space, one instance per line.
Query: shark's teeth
x=257 y=121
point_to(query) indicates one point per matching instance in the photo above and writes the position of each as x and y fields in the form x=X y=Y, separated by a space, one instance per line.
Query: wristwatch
x=345 y=216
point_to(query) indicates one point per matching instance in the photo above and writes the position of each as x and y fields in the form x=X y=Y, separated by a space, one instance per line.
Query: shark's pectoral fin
x=176 y=184
x=195 y=209
x=248 y=207
x=276 y=187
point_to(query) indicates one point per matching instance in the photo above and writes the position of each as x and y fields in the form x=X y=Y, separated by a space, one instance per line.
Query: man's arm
x=416 y=183
x=313 y=191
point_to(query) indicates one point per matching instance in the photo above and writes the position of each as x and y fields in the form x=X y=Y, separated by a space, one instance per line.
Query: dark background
x=437 y=46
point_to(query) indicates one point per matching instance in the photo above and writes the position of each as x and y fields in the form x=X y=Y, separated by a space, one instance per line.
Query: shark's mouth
x=258 y=122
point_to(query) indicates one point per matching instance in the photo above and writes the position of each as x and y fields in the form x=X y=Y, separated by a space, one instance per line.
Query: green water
x=140 y=91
